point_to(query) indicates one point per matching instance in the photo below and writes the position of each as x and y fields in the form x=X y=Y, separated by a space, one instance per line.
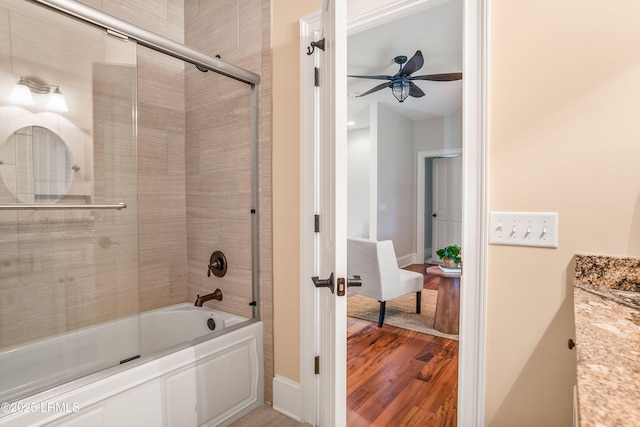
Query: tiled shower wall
x=160 y=132
x=172 y=268
x=237 y=31
x=64 y=270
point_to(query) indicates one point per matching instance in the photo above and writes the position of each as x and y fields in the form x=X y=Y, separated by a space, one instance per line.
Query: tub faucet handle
x=212 y=267
x=217 y=264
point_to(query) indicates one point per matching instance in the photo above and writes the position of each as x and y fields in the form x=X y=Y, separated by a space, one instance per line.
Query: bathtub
x=179 y=366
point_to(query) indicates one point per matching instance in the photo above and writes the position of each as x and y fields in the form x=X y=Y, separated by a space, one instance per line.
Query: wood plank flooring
x=395 y=377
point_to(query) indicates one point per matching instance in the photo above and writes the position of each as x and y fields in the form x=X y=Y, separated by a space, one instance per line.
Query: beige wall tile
x=218 y=156
x=164 y=17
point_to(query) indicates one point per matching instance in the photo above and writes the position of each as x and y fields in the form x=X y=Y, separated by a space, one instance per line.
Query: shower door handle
x=323 y=283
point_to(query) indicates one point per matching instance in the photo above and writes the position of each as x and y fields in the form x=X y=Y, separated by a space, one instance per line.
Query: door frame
x=420 y=194
x=309 y=339
x=471 y=365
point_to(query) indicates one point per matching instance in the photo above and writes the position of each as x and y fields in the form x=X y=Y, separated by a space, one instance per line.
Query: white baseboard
x=287 y=397
x=403 y=261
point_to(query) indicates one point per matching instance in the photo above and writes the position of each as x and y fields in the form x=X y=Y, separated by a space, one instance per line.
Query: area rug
x=400 y=312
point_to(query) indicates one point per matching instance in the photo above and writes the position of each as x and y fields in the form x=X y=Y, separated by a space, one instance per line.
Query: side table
x=447 y=317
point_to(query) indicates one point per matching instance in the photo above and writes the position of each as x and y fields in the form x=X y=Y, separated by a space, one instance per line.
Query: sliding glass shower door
x=68 y=199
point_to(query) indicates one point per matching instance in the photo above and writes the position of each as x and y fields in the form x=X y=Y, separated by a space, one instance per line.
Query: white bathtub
x=187 y=375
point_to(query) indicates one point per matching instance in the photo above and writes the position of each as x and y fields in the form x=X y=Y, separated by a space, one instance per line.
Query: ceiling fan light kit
x=401 y=83
x=400 y=90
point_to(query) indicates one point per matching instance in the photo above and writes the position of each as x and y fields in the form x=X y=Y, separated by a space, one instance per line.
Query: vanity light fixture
x=57 y=101
x=27 y=86
x=21 y=95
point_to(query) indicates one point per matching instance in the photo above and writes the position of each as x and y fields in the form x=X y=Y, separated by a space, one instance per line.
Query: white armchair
x=375 y=262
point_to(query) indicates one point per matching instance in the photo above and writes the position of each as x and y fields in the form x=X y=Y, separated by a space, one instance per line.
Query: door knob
x=434 y=215
x=343 y=284
x=323 y=283
x=354 y=281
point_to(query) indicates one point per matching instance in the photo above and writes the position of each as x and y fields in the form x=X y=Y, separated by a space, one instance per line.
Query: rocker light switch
x=524 y=229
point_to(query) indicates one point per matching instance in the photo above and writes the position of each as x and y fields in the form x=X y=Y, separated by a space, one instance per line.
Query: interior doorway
x=471 y=378
x=425 y=248
x=442 y=205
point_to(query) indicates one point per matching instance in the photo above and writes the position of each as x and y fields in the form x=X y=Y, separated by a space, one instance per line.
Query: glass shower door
x=68 y=246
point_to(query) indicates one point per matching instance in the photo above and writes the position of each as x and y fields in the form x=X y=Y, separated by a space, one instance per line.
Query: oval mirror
x=36 y=165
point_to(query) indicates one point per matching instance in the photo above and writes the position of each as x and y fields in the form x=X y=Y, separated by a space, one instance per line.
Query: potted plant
x=450 y=256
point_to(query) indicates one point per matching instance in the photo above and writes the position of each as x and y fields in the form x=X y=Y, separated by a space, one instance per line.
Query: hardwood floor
x=395 y=377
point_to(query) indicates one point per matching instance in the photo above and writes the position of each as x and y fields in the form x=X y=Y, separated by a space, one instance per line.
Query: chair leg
x=381 y=314
x=418 y=302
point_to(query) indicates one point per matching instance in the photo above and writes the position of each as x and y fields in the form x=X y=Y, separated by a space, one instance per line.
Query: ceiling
x=437 y=32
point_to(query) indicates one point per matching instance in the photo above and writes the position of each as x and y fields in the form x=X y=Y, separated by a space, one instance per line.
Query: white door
x=331 y=199
x=447 y=203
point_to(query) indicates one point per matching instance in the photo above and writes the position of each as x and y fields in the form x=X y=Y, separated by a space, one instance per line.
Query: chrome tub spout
x=217 y=295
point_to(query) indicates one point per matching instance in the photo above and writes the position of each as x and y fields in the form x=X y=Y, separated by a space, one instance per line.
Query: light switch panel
x=524 y=229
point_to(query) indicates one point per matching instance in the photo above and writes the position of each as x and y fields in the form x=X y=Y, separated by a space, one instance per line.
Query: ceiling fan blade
x=414 y=64
x=415 y=91
x=375 y=89
x=446 y=77
x=373 y=77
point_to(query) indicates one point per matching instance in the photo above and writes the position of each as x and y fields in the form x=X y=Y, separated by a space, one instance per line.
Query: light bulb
x=400 y=90
x=21 y=94
x=57 y=101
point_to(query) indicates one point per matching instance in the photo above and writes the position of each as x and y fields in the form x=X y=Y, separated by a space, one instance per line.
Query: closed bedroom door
x=447 y=203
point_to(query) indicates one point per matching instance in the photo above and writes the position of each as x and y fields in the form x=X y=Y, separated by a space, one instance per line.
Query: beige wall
x=285 y=40
x=564 y=136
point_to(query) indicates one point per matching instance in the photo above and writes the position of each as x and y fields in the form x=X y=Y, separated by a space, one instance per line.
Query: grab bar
x=37 y=206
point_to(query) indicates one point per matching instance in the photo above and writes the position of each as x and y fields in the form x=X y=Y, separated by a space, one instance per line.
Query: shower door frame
x=124 y=29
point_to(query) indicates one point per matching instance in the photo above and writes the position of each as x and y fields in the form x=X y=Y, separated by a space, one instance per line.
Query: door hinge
x=316 y=77
x=316 y=365
x=316 y=224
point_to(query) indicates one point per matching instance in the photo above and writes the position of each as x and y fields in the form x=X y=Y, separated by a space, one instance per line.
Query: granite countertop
x=607 y=320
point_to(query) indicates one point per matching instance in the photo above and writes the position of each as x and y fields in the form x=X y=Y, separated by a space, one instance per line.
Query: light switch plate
x=524 y=229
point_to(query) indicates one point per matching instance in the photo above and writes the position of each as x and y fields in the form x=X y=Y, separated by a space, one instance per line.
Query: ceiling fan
x=401 y=83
